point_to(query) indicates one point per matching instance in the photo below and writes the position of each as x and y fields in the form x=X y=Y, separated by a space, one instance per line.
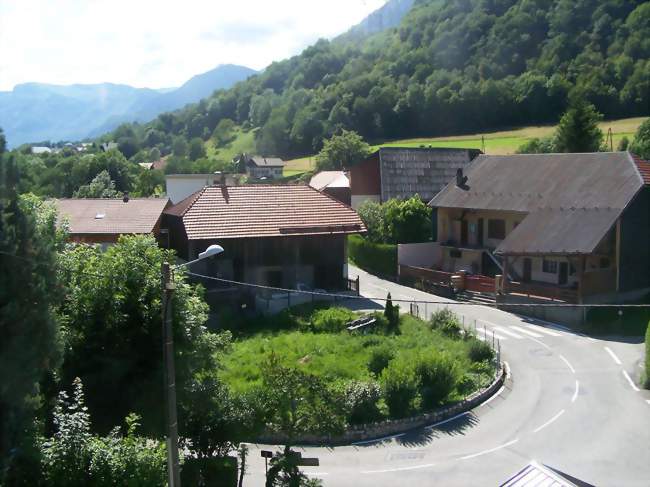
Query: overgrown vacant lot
x=412 y=367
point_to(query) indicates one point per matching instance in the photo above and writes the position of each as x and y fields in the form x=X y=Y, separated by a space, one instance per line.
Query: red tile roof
x=263 y=211
x=110 y=216
x=643 y=167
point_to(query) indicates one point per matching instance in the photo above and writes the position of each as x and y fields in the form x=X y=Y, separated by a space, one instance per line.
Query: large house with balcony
x=569 y=227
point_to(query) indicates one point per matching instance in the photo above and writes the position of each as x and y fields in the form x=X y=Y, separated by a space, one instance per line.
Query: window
x=549 y=266
x=497 y=229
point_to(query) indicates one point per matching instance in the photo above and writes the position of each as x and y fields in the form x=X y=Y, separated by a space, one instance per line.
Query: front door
x=528 y=269
x=479 y=235
x=564 y=273
x=463 y=232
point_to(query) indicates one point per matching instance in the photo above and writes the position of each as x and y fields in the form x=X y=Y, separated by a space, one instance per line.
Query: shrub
x=331 y=320
x=380 y=357
x=380 y=259
x=446 y=321
x=437 y=377
x=361 y=401
x=479 y=351
x=400 y=386
x=391 y=313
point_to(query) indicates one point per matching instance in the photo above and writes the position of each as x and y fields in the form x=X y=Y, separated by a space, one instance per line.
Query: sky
x=158 y=43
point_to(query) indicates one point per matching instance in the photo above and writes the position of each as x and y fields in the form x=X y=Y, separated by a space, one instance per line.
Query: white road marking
x=550 y=324
x=629 y=379
x=586 y=336
x=365 y=442
x=539 y=428
x=541 y=343
x=447 y=420
x=575 y=394
x=484 y=452
x=541 y=329
x=568 y=364
x=509 y=333
x=526 y=332
x=493 y=397
x=613 y=355
x=399 y=469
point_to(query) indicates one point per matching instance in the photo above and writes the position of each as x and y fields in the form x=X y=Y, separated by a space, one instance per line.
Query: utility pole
x=173 y=468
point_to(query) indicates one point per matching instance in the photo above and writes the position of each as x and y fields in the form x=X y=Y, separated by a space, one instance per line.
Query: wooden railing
x=554 y=293
x=480 y=284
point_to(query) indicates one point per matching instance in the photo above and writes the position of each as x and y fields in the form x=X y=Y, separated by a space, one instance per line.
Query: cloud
x=159 y=43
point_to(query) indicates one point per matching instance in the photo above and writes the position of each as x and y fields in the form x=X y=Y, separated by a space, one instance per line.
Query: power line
x=446 y=303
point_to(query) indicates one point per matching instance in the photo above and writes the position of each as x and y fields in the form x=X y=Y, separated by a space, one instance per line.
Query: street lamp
x=168 y=286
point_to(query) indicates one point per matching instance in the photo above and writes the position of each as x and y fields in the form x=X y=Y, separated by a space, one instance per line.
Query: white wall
x=426 y=254
x=179 y=188
x=357 y=199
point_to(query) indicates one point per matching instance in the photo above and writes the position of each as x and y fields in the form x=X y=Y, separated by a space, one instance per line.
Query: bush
x=380 y=357
x=437 y=377
x=331 y=320
x=479 y=351
x=391 y=313
x=361 y=402
x=397 y=221
x=379 y=259
x=400 y=387
x=447 y=322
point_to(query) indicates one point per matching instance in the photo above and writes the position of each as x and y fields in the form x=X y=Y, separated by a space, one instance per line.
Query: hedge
x=378 y=259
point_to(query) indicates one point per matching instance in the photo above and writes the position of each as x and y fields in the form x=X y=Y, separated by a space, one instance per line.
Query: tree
x=578 y=129
x=179 y=147
x=29 y=291
x=112 y=321
x=3 y=142
x=372 y=215
x=196 y=149
x=100 y=187
x=223 y=132
x=641 y=144
x=406 y=221
x=342 y=151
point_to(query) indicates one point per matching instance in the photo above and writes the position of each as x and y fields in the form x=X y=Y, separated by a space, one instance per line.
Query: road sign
x=309 y=462
x=266 y=454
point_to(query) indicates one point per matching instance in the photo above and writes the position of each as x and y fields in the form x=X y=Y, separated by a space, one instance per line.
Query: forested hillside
x=450 y=67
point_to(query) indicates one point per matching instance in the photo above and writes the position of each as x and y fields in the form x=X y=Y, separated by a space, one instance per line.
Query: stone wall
x=393 y=426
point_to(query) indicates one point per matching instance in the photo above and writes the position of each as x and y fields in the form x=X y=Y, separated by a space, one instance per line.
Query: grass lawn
x=243 y=141
x=302 y=164
x=341 y=357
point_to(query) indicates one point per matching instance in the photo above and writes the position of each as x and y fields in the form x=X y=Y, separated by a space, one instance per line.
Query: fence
x=554 y=293
x=352 y=285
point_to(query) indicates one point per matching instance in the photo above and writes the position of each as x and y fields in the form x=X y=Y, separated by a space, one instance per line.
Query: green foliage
x=379 y=359
x=342 y=151
x=223 y=132
x=623 y=144
x=397 y=221
x=544 y=145
x=361 y=401
x=437 y=375
x=479 y=351
x=284 y=472
x=392 y=315
x=74 y=457
x=331 y=320
x=180 y=147
x=400 y=386
x=578 y=129
x=100 y=187
x=112 y=325
x=641 y=144
x=379 y=259
x=446 y=321
x=30 y=347
x=196 y=149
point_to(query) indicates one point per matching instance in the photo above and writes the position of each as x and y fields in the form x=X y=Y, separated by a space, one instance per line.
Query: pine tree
x=578 y=129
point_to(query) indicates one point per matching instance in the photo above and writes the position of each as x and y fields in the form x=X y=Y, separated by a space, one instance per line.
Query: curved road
x=570 y=402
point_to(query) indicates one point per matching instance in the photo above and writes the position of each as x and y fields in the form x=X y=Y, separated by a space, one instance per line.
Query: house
x=402 y=172
x=106 y=146
x=180 y=186
x=334 y=183
x=36 y=149
x=103 y=220
x=288 y=236
x=567 y=227
x=258 y=167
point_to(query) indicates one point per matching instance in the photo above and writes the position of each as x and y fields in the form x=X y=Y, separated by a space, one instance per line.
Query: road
x=570 y=402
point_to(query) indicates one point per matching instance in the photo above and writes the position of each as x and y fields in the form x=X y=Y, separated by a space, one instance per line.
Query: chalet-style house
x=102 y=221
x=286 y=236
x=258 y=167
x=400 y=172
x=569 y=227
x=334 y=183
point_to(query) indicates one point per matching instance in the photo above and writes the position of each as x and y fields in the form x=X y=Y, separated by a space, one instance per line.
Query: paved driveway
x=570 y=402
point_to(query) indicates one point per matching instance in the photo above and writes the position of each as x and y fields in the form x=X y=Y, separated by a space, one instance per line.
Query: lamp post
x=168 y=287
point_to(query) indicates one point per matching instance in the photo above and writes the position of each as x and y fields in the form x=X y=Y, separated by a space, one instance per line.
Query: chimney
x=125 y=198
x=461 y=181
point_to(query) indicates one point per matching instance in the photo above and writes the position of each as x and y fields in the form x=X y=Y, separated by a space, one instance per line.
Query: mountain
x=385 y=17
x=453 y=66
x=34 y=112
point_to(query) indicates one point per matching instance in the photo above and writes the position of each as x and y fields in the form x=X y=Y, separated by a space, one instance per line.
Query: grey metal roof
x=537 y=475
x=425 y=171
x=560 y=231
x=527 y=182
x=261 y=161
